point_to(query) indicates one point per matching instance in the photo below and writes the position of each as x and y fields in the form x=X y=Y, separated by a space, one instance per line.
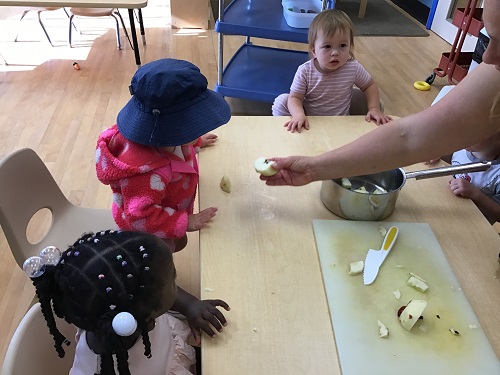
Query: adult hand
x=375 y=115
x=203 y=315
x=199 y=220
x=296 y=124
x=463 y=188
x=208 y=139
x=293 y=170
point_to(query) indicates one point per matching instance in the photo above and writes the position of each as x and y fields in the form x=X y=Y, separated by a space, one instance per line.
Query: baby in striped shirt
x=323 y=86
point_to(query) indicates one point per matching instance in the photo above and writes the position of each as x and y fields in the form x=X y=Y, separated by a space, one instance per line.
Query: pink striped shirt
x=329 y=94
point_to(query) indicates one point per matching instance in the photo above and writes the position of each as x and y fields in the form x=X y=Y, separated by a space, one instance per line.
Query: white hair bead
x=124 y=324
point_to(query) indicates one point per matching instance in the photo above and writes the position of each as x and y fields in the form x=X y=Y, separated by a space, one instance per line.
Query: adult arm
x=458 y=120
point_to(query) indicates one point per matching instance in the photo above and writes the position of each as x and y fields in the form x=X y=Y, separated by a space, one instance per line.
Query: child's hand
x=203 y=315
x=463 y=188
x=208 y=139
x=297 y=124
x=432 y=161
x=199 y=220
x=375 y=115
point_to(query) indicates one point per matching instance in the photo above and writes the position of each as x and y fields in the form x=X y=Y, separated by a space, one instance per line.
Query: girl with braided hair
x=116 y=288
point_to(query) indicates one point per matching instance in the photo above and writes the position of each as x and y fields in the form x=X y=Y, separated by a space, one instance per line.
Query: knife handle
x=390 y=238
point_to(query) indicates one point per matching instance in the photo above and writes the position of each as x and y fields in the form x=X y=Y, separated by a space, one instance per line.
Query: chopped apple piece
x=346 y=183
x=418 y=277
x=417 y=284
x=362 y=189
x=382 y=231
x=411 y=313
x=397 y=293
x=355 y=268
x=264 y=167
x=225 y=184
x=454 y=332
x=383 y=331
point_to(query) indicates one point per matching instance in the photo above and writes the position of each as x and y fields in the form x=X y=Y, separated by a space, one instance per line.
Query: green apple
x=264 y=167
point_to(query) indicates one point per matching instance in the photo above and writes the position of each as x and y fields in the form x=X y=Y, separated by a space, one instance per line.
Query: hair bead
x=141 y=248
x=119 y=257
x=108 y=289
x=129 y=276
x=112 y=307
x=124 y=263
x=76 y=253
x=96 y=240
x=146 y=268
x=101 y=276
x=145 y=255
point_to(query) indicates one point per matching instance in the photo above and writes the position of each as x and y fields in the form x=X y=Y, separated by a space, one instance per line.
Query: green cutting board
x=430 y=348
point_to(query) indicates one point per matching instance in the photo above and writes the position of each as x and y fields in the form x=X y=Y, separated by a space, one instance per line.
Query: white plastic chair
x=26 y=187
x=99 y=12
x=31 y=349
x=39 y=10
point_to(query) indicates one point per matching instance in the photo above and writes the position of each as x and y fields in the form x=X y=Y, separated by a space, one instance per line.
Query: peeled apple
x=411 y=313
x=264 y=167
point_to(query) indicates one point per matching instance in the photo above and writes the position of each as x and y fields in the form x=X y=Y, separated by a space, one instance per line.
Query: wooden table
x=259 y=252
x=127 y=4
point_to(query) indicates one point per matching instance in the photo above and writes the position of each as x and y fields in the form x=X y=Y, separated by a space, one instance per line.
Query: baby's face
x=331 y=51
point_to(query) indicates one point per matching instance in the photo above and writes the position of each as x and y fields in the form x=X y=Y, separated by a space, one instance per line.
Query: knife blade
x=375 y=258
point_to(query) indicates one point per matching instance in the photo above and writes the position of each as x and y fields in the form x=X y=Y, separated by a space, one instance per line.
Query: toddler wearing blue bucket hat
x=149 y=157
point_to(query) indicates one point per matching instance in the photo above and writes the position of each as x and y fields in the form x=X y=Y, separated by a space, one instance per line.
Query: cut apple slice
x=355 y=268
x=225 y=184
x=264 y=167
x=411 y=313
x=383 y=331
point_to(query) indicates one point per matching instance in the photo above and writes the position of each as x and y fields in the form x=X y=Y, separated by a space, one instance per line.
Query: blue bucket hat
x=171 y=105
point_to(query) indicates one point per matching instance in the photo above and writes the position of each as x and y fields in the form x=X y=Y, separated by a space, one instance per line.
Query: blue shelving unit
x=260 y=73
x=259 y=19
x=257 y=72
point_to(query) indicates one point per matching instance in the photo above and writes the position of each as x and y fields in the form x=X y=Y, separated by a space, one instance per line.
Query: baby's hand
x=203 y=315
x=208 y=139
x=377 y=116
x=297 y=124
x=199 y=220
x=462 y=188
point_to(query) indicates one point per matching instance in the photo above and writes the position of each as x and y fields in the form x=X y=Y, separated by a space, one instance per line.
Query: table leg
x=362 y=8
x=141 y=25
x=134 y=38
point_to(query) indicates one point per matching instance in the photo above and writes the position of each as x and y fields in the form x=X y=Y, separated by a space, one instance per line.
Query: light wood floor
x=47 y=105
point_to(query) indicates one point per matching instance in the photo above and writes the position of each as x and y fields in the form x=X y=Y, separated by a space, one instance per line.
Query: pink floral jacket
x=153 y=190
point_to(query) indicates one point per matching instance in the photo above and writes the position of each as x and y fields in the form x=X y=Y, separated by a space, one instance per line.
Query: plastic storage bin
x=300 y=13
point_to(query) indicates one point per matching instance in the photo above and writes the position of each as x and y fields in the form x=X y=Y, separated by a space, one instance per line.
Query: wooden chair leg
x=362 y=8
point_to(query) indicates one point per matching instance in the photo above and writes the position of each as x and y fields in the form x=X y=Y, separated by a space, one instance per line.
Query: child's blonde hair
x=329 y=22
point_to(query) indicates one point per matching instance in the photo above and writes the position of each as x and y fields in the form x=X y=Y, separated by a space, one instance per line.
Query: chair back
x=26 y=187
x=31 y=349
x=359 y=107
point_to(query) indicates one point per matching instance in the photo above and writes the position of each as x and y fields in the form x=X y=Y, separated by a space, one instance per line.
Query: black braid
x=97 y=277
x=145 y=341
x=42 y=286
